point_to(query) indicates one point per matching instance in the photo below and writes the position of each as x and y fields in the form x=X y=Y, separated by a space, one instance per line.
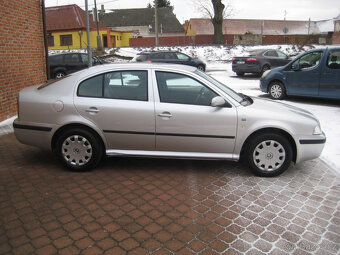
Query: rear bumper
x=246 y=68
x=33 y=134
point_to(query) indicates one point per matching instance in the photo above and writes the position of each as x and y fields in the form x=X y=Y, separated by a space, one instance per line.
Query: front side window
x=65 y=40
x=84 y=58
x=333 y=60
x=181 y=89
x=309 y=60
x=126 y=85
x=182 y=56
x=281 y=54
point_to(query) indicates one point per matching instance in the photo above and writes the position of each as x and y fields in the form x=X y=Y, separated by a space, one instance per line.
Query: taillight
x=148 y=61
x=251 y=59
x=234 y=59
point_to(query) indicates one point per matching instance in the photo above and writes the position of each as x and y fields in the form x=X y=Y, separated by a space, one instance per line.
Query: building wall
x=79 y=40
x=22 y=55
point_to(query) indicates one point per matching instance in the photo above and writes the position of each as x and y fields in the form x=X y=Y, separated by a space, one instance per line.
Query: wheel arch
x=75 y=125
x=271 y=130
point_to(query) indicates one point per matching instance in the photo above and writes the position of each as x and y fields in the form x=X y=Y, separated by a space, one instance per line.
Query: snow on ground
x=218 y=65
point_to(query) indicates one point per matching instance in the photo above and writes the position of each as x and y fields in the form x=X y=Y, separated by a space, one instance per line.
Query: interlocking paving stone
x=159 y=206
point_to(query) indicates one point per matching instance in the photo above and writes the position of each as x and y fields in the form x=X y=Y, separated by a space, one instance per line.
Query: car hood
x=278 y=110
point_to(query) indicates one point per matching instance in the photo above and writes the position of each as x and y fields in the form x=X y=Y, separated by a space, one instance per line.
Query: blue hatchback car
x=315 y=73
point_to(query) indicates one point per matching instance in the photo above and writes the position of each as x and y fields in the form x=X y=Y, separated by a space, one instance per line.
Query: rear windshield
x=141 y=57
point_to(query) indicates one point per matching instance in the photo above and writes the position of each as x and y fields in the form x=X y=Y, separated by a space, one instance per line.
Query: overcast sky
x=244 y=9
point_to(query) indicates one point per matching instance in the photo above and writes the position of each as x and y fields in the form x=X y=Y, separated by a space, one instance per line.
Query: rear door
x=120 y=103
x=185 y=121
x=73 y=62
x=330 y=76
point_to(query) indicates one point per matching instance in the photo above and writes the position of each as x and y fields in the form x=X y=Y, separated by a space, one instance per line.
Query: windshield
x=221 y=86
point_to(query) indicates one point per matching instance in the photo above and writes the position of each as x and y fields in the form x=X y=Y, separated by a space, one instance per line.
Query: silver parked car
x=151 y=110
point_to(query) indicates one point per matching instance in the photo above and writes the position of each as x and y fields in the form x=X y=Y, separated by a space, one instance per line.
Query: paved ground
x=155 y=206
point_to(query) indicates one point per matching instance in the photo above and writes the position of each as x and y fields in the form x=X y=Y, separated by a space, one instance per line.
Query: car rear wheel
x=240 y=74
x=79 y=149
x=268 y=155
x=58 y=75
x=264 y=68
x=277 y=90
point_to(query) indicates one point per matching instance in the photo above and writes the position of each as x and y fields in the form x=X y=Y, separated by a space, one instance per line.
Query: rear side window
x=333 y=60
x=126 y=85
x=56 y=60
x=71 y=58
x=270 y=53
x=92 y=87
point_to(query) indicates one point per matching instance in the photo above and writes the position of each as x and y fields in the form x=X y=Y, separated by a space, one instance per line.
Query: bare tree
x=216 y=11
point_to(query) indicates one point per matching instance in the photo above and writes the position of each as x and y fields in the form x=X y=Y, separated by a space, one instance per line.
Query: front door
x=330 y=76
x=119 y=103
x=305 y=81
x=185 y=121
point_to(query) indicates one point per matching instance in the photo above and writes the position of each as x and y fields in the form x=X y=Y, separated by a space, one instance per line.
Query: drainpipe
x=45 y=39
x=89 y=52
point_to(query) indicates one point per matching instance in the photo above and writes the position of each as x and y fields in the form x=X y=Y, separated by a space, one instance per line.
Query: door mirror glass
x=296 y=66
x=218 y=102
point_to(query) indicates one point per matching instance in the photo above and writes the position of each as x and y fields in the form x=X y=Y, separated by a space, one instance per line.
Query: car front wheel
x=240 y=74
x=79 y=150
x=59 y=75
x=277 y=90
x=269 y=155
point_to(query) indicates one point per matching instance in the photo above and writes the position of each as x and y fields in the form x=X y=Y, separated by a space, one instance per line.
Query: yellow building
x=66 y=28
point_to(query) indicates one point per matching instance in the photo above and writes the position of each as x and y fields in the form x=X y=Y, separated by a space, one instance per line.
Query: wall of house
x=336 y=38
x=79 y=40
x=22 y=52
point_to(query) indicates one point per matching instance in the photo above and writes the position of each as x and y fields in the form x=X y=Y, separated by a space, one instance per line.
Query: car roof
x=131 y=66
x=158 y=51
x=68 y=53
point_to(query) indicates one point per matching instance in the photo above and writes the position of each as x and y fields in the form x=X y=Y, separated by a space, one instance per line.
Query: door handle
x=165 y=115
x=92 y=110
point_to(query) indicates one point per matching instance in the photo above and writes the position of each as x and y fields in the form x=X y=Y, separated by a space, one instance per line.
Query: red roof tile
x=68 y=17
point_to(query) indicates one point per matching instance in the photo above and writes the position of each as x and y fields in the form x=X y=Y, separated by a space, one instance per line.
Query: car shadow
x=246 y=77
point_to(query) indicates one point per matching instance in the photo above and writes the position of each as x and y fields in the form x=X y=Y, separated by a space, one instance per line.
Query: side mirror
x=296 y=66
x=218 y=102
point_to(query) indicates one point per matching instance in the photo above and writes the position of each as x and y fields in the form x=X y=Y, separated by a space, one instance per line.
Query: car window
x=271 y=53
x=281 y=54
x=71 y=58
x=141 y=57
x=92 y=87
x=157 y=56
x=84 y=58
x=56 y=59
x=182 y=56
x=309 y=60
x=169 y=55
x=181 y=89
x=333 y=60
x=126 y=85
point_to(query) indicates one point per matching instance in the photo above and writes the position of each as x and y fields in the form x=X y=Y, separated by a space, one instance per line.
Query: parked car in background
x=259 y=61
x=172 y=111
x=171 y=57
x=315 y=73
x=62 y=64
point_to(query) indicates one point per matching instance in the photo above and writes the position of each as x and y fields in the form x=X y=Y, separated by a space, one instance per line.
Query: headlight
x=265 y=73
x=317 y=130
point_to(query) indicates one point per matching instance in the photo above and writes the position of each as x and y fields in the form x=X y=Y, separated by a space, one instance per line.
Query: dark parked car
x=259 y=61
x=62 y=64
x=171 y=57
x=315 y=73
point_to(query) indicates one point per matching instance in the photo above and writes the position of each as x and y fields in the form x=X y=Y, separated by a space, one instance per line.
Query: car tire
x=201 y=68
x=268 y=155
x=277 y=90
x=79 y=149
x=264 y=68
x=239 y=74
x=59 y=75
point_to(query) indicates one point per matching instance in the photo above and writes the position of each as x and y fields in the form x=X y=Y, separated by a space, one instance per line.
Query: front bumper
x=310 y=147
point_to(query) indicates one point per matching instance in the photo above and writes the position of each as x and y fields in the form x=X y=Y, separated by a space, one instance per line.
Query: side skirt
x=172 y=154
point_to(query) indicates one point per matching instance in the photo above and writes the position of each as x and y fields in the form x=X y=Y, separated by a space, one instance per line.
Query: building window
x=50 y=40
x=117 y=38
x=65 y=40
x=120 y=37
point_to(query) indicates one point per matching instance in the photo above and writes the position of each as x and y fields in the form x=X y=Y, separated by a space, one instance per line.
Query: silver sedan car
x=155 y=110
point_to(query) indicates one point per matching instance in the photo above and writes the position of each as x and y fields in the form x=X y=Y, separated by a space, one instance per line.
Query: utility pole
x=156 y=21
x=89 y=52
x=99 y=43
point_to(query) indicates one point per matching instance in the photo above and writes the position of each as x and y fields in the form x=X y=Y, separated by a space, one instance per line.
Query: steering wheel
x=200 y=94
